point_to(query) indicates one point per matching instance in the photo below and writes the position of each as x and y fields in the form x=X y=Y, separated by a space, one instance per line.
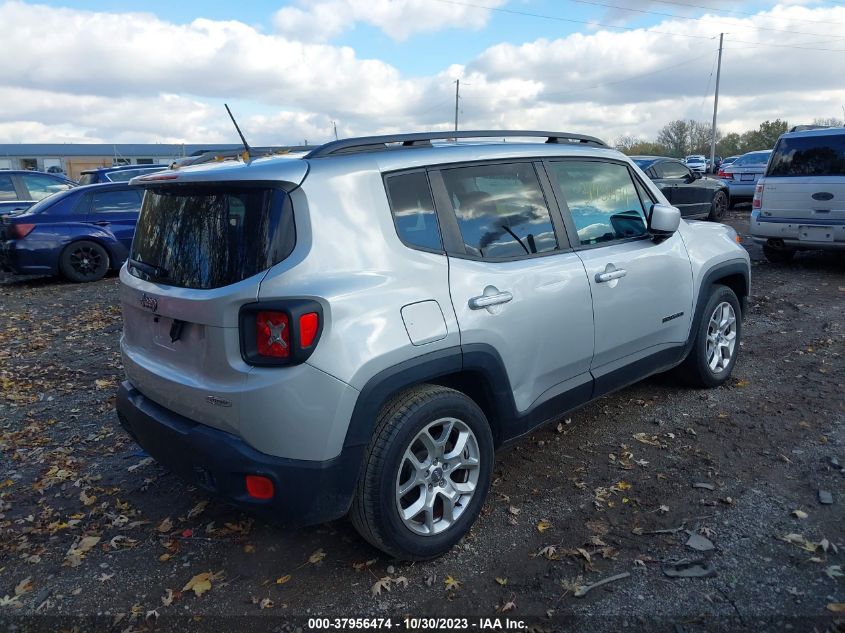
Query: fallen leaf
x=249 y=548
x=104 y=577
x=622 y=485
x=501 y=581
x=382 y=584
x=167 y=598
x=645 y=438
x=365 y=565
x=800 y=514
x=283 y=579
x=514 y=510
x=543 y=525
x=836 y=607
x=200 y=583
x=451 y=583
x=197 y=509
x=266 y=603
x=24 y=586
x=510 y=605
x=317 y=556
x=85 y=499
x=165 y=526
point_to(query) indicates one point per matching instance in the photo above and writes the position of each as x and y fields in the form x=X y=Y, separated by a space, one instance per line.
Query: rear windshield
x=125 y=175
x=211 y=236
x=753 y=159
x=809 y=156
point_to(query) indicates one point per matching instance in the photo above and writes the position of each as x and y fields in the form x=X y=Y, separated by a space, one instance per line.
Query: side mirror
x=663 y=221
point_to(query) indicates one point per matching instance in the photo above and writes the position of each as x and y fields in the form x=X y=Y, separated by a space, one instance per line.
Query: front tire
x=84 y=261
x=719 y=206
x=716 y=346
x=425 y=475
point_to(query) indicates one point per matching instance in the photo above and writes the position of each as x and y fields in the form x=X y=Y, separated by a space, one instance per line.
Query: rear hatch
x=806 y=180
x=199 y=253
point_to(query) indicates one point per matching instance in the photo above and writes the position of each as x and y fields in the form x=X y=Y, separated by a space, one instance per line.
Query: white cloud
x=105 y=77
x=321 y=20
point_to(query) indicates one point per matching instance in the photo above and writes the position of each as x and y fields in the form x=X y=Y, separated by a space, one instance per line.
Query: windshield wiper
x=149 y=269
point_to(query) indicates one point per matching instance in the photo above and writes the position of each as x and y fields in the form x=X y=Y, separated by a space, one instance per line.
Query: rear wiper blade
x=149 y=269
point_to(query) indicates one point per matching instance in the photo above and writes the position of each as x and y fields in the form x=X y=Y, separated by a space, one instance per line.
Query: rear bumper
x=739 y=189
x=791 y=232
x=23 y=262
x=306 y=492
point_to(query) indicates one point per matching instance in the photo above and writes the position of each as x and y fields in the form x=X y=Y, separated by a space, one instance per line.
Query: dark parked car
x=696 y=196
x=120 y=173
x=81 y=233
x=20 y=189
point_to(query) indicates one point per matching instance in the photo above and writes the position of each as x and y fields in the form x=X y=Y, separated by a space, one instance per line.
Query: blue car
x=79 y=234
x=118 y=173
x=20 y=189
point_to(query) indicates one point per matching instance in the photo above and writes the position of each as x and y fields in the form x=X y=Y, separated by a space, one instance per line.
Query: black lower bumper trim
x=307 y=492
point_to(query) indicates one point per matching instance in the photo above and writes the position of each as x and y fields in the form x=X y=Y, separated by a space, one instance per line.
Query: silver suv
x=356 y=329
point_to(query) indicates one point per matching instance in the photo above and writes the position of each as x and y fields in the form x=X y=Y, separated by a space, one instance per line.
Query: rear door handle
x=485 y=301
x=101 y=223
x=610 y=275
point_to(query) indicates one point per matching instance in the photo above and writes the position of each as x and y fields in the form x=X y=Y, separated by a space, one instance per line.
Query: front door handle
x=485 y=301
x=610 y=275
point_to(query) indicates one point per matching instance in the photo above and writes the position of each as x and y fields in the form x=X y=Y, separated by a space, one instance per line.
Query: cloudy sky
x=90 y=71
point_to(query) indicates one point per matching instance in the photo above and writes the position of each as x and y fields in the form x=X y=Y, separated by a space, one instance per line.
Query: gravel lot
x=95 y=535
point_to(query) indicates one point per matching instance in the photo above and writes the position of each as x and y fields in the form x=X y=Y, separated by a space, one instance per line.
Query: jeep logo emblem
x=151 y=303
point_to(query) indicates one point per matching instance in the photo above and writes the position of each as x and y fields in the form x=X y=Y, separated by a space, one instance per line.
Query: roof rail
x=423 y=139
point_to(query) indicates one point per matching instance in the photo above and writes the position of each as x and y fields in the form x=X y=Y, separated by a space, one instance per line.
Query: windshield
x=125 y=175
x=49 y=201
x=752 y=159
x=809 y=156
x=211 y=236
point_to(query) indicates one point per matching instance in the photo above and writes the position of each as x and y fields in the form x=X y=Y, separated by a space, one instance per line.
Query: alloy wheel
x=86 y=261
x=721 y=337
x=438 y=476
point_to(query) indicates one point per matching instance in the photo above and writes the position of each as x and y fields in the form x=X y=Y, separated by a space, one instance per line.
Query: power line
x=750 y=13
x=628 y=28
x=684 y=17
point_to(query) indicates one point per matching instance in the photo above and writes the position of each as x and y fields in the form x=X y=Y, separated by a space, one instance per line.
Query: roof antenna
x=247 y=148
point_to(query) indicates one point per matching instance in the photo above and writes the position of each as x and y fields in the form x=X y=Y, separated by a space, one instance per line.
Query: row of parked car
x=80 y=230
x=56 y=226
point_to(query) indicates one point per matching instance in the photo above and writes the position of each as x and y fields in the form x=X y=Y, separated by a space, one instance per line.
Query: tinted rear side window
x=7 y=188
x=501 y=210
x=413 y=210
x=809 y=156
x=115 y=201
x=207 y=237
x=88 y=179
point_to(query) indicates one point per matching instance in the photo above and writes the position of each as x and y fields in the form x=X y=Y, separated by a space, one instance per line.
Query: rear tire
x=716 y=346
x=426 y=473
x=84 y=261
x=778 y=255
x=719 y=206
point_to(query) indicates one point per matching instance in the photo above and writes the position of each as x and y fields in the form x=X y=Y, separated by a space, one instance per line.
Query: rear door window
x=115 y=201
x=602 y=200
x=501 y=210
x=7 y=188
x=809 y=156
x=211 y=236
x=413 y=210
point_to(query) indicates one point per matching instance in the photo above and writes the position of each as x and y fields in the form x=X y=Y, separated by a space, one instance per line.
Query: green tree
x=765 y=136
x=675 y=137
x=729 y=145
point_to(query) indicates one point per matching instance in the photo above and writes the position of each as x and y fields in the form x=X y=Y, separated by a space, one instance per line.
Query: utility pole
x=716 y=106
x=457 y=96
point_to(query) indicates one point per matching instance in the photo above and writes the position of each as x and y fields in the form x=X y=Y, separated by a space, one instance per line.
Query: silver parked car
x=800 y=203
x=741 y=176
x=697 y=163
x=355 y=330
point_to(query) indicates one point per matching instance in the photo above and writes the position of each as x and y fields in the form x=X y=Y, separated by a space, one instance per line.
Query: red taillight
x=757 y=202
x=20 y=231
x=308 y=325
x=272 y=331
x=259 y=487
x=726 y=174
